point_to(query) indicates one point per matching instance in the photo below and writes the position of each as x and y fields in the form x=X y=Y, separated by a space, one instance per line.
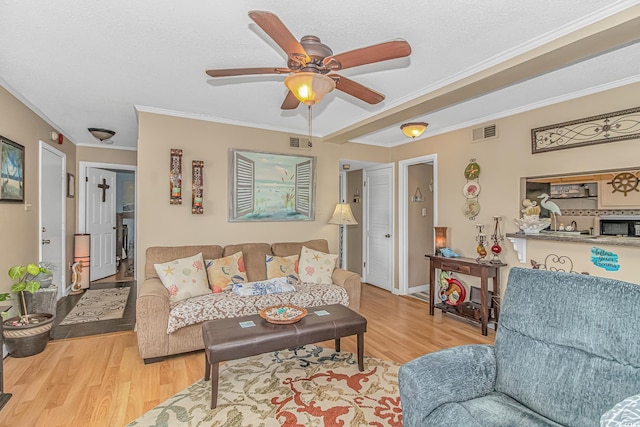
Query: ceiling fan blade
x=356 y=89
x=368 y=55
x=290 y=102
x=229 y=72
x=273 y=26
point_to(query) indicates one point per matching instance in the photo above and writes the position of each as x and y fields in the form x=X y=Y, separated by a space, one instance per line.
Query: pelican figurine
x=552 y=207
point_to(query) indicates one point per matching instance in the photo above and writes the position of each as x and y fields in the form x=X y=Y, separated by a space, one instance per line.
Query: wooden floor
x=101 y=380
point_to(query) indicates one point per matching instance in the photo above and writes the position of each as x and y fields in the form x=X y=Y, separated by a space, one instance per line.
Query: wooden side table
x=4 y=397
x=470 y=267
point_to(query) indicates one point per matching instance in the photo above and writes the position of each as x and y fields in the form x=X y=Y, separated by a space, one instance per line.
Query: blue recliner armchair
x=567 y=350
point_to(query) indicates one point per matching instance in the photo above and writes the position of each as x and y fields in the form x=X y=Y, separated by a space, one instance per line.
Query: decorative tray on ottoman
x=283 y=314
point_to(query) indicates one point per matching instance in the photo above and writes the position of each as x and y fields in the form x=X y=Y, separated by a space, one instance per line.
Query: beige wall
x=420 y=228
x=506 y=159
x=163 y=224
x=354 y=232
x=19 y=228
x=107 y=155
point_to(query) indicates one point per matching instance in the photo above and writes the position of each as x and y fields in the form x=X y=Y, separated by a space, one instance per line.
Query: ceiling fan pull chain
x=310 y=119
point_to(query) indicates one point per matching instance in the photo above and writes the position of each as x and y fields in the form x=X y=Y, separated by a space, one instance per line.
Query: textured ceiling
x=93 y=64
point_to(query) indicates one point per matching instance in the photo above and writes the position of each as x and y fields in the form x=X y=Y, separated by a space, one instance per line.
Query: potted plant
x=26 y=334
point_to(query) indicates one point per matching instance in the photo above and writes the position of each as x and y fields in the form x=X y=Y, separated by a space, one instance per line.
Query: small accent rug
x=98 y=304
x=308 y=386
x=424 y=296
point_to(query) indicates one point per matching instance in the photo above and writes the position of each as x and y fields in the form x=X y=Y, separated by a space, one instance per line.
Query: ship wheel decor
x=624 y=182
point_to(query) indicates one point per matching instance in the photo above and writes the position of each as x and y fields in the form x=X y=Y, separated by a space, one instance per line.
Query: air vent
x=485 y=132
x=300 y=144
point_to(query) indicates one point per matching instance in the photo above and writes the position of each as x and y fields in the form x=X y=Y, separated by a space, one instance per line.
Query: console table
x=470 y=267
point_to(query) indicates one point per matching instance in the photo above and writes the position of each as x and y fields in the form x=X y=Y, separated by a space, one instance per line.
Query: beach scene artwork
x=271 y=187
x=11 y=171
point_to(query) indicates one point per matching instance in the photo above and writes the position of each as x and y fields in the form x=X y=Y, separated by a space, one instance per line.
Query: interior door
x=101 y=222
x=53 y=213
x=379 y=224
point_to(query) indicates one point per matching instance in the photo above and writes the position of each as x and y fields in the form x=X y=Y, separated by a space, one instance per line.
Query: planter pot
x=27 y=340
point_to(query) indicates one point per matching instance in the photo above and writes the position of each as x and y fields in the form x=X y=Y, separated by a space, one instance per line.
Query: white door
x=378 y=266
x=101 y=222
x=53 y=213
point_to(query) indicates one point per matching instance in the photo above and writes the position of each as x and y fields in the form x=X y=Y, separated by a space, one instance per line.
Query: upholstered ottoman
x=226 y=339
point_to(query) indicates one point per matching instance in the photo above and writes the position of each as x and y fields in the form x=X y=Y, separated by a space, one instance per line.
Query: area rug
x=424 y=296
x=98 y=304
x=309 y=386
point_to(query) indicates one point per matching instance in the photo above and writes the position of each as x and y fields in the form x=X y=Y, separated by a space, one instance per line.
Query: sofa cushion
x=254 y=254
x=184 y=278
x=576 y=350
x=316 y=267
x=227 y=304
x=264 y=287
x=224 y=272
x=294 y=248
x=161 y=254
x=283 y=266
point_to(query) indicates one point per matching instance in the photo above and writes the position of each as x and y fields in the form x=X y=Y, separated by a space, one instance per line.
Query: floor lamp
x=342 y=216
x=82 y=262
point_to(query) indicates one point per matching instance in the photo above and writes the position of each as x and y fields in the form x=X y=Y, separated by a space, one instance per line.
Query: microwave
x=621 y=226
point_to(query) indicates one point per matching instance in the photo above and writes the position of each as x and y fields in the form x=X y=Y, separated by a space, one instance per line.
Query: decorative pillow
x=184 y=278
x=271 y=286
x=283 y=266
x=224 y=272
x=316 y=267
x=625 y=413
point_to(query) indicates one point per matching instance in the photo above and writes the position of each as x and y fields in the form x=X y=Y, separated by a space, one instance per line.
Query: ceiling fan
x=312 y=58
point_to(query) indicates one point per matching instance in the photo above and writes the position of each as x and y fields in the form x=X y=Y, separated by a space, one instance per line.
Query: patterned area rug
x=424 y=296
x=98 y=304
x=310 y=386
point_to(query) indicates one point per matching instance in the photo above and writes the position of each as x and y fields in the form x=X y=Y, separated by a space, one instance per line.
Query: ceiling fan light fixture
x=414 y=129
x=103 y=135
x=309 y=87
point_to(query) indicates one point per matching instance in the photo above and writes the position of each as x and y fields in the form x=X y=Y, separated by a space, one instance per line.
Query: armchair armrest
x=452 y=375
x=152 y=318
x=351 y=282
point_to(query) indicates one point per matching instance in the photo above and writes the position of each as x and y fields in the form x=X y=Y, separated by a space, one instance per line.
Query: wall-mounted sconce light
x=441 y=239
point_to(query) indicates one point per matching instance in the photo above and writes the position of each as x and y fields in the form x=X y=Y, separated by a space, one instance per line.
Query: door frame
x=82 y=196
x=365 y=220
x=403 y=209
x=63 y=288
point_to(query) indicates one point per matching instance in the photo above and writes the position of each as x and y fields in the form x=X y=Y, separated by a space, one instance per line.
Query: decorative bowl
x=283 y=314
x=532 y=225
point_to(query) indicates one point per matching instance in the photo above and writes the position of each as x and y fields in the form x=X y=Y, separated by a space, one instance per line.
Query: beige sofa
x=153 y=307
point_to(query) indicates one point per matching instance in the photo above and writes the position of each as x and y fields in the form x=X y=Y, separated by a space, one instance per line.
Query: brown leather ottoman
x=225 y=339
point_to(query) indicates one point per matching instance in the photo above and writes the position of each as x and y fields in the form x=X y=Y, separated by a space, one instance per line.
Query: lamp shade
x=101 y=134
x=342 y=215
x=82 y=254
x=441 y=238
x=309 y=87
x=414 y=129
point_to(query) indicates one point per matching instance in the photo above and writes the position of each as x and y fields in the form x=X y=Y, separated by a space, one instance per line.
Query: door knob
x=46 y=241
x=387 y=235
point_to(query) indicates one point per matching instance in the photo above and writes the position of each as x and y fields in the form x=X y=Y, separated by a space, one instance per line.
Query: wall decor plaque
x=175 y=177
x=610 y=127
x=197 y=189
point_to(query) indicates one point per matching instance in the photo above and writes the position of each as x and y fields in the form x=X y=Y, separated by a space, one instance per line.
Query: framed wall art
x=11 y=171
x=271 y=187
x=616 y=126
x=175 y=177
x=197 y=193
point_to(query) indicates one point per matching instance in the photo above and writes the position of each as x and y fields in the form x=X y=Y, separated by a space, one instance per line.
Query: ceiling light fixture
x=309 y=87
x=103 y=135
x=414 y=129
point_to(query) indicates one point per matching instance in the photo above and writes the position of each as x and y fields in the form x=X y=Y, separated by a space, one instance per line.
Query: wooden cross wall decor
x=104 y=187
